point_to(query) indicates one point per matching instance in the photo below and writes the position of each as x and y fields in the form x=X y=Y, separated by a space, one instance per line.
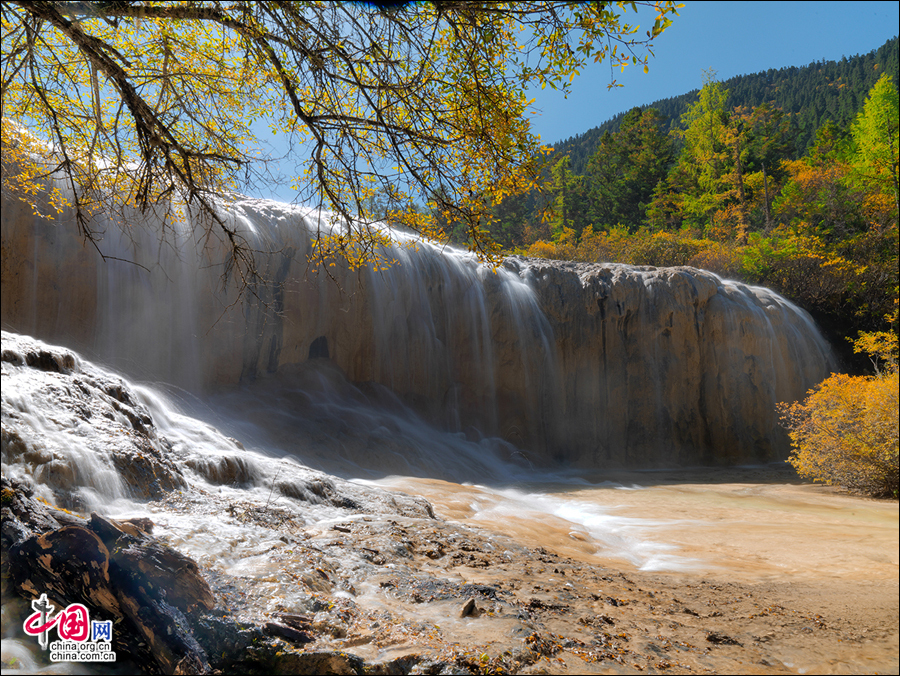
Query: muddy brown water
x=812 y=555
x=748 y=526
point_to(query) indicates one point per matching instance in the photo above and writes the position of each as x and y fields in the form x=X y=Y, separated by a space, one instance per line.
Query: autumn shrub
x=846 y=433
x=722 y=258
x=561 y=248
x=664 y=249
x=543 y=249
x=593 y=246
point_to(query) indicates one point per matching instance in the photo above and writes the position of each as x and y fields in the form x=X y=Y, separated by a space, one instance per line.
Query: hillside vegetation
x=821 y=92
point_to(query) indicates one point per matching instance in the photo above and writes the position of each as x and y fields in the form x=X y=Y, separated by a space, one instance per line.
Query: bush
x=846 y=432
x=665 y=249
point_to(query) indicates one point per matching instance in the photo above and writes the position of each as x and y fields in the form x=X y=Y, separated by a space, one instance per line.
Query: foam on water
x=542 y=515
x=336 y=422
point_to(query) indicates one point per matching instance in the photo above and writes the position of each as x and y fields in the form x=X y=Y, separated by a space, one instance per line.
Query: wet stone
x=469 y=609
x=292 y=635
x=140 y=584
x=719 y=638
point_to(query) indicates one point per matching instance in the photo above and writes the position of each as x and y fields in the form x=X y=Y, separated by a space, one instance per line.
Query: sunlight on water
x=582 y=528
x=730 y=522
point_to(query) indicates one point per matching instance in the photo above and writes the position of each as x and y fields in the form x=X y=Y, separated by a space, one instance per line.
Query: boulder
x=119 y=573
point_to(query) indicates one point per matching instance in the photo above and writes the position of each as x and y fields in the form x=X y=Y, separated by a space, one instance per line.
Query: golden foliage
x=881 y=346
x=846 y=433
x=25 y=173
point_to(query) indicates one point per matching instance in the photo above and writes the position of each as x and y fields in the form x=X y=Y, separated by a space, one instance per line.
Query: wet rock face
x=667 y=366
x=590 y=365
x=73 y=427
x=79 y=436
x=115 y=569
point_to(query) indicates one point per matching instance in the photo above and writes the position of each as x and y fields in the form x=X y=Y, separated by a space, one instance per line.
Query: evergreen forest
x=815 y=94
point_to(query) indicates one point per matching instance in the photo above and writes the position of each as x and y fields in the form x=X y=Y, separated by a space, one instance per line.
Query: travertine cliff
x=590 y=365
x=672 y=365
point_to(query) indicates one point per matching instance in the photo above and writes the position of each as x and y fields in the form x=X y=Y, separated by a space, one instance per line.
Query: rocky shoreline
x=388 y=594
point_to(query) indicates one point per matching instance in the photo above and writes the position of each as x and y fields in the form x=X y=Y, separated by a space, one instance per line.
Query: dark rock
x=288 y=633
x=538 y=604
x=470 y=609
x=68 y=564
x=721 y=639
x=130 y=578
x=22 y=515
x=226 y=641
x=141 y=523
x=289 y=662
x=150 y=565
x=301 y=622
x=60 y=362
x=403 y=665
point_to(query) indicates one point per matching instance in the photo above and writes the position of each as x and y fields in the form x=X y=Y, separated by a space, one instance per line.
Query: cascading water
x=436 y=367
x=425 y=328
x=591 y=366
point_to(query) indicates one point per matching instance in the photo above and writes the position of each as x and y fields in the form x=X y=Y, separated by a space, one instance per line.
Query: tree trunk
x=745 y=223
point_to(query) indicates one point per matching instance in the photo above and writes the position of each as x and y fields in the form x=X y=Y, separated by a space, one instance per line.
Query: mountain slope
x=813 y=94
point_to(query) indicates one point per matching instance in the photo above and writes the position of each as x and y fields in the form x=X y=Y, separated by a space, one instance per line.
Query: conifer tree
x=875 y=133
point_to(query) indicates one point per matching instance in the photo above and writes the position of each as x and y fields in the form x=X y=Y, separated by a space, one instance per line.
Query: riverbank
x=292 y=570
x=359 y=593
x=395 y=592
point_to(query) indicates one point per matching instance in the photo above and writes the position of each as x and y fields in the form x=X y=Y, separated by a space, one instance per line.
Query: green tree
x=568 y=207
x=509 y=220
x=875 y=132
x=142 y=102
x=771 y=140
x=604 y=183
x=807 y=98
x=705 y=156
x=832 y=143
x=817 y=198
x=626 y=168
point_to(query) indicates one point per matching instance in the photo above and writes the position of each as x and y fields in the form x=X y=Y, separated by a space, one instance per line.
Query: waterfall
x=584 y=365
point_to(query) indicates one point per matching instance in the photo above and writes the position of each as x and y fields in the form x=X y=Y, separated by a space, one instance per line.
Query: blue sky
x=734 y=38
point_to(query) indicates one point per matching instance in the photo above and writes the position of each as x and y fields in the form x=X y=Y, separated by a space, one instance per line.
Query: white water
x=469 y=348
x=70 y=462
x=328 y=424
x=273 y=441
x=646 y=521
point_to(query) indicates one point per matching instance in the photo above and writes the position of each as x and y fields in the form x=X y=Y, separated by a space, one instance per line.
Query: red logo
x=72 y=624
